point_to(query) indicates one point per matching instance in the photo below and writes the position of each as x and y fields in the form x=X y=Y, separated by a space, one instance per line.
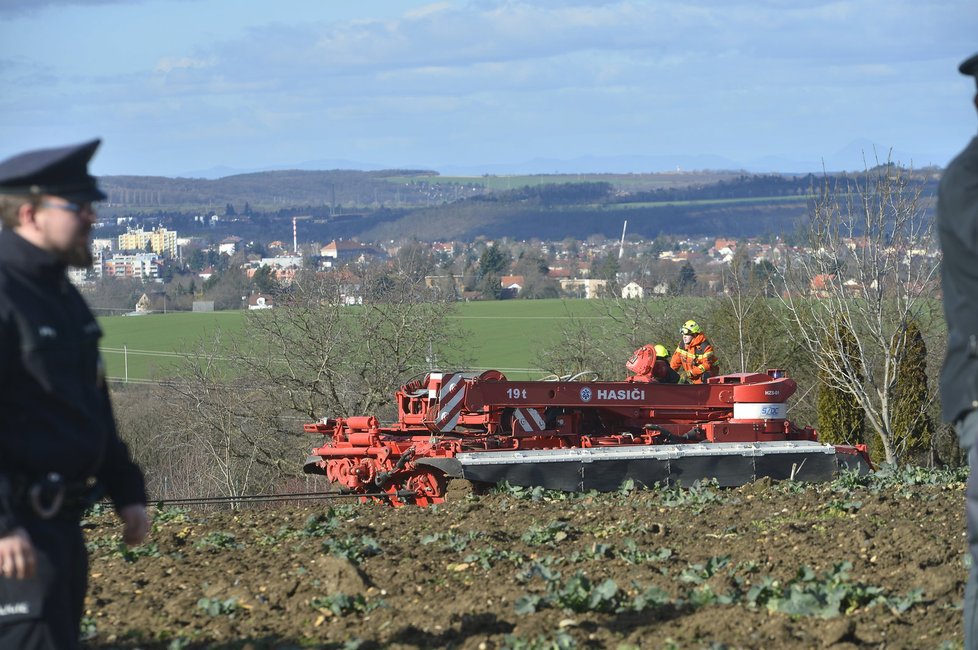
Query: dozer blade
x=605 y=468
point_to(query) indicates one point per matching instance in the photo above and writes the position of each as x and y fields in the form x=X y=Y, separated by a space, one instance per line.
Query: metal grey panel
x=729 y=471
x=810 y=468
x=450 y=466
x=310 y=466
x=606 y=469
x=607 y=476
x=552 y=476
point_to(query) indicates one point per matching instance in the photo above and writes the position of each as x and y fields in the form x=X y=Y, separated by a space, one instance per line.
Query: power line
x=260 y=498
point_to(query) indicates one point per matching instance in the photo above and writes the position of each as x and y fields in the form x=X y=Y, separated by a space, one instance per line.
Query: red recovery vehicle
x=575 y=436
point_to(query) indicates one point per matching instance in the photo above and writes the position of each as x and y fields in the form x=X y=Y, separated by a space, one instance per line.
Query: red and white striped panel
x=528 y=420
x=450 y=396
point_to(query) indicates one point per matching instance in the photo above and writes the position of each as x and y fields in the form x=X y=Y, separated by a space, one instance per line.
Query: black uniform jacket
x=957 y=226
x=55 y=414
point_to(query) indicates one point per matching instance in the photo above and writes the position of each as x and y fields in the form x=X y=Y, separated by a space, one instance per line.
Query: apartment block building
x=160 y=240
x=140 y=265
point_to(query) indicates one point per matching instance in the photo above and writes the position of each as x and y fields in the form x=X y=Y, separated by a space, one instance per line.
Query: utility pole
x=621 y=247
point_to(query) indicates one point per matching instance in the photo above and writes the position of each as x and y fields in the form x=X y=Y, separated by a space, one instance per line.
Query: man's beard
x=78 y=256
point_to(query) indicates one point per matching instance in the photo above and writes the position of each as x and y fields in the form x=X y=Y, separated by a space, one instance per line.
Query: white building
x=584 y=287
x=283 y=262
x=102 y=244
x=632 y=290
x=139 y=265
x=259 y=301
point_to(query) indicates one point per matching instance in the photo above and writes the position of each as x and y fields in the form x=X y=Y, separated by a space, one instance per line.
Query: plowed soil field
x=877 y=565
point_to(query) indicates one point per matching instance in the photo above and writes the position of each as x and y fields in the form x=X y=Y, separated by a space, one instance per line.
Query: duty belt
x=51 y=495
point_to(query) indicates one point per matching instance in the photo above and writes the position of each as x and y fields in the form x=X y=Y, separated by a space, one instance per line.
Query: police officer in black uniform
x=957 y=227
x=59 y=449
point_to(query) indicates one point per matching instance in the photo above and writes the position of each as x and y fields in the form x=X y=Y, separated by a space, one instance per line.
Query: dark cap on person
x=970 y=67
x=61 y=171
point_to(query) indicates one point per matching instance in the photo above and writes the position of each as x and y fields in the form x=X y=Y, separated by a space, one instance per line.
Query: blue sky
x=501 y=86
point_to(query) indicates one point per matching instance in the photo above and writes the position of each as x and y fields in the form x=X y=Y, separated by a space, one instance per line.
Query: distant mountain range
x=850 y=158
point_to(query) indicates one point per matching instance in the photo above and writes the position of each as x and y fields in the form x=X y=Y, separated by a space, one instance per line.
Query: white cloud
x=445 y=36
x=167 y=65
x=427 y=10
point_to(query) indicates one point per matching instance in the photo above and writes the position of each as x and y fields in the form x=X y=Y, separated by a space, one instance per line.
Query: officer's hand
x=135 y=523
x=17 y=555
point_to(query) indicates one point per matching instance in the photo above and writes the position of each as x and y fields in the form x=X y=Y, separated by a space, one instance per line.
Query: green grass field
x=149 y=346
x=503 y=335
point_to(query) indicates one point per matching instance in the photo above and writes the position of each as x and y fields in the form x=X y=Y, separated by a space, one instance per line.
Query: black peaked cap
x=62 y=171
x=970 y=67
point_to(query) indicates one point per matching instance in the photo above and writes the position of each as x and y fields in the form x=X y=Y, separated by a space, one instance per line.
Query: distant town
x=164 y=270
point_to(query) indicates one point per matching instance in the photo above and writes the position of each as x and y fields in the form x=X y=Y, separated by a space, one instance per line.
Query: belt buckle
x=47 y=496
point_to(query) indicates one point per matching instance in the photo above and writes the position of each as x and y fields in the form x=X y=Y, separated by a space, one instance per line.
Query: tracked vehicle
x=575 y=435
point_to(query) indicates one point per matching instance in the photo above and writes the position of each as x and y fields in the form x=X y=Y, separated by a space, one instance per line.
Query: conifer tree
x=911 y=425
x=840 y=418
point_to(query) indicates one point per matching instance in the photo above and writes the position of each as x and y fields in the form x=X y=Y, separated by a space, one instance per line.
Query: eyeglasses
x=74 y=208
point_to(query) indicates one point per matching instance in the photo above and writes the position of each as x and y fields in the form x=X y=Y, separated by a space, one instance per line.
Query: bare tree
x=581 y=345
x=340 y=343
x=241 y=439
x=742 y=311
x=868 y=269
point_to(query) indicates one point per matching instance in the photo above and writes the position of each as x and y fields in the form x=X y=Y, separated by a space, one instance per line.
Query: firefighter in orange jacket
x=694 y=359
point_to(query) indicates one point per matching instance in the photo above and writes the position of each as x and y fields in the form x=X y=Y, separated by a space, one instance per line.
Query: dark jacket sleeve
x=8 y=348
x=121 y=477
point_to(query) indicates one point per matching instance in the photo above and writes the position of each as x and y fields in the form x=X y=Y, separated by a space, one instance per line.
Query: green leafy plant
x=282 y=534
x=489 y=556
x=352 y=548
x=849 y=480
x=218 y=607
x=170 y=514
x=651 y=597
x=539 y=568
x=700 y=573
x=340 y=604
x=703 y=595
x=321 y=524
x=560 y=641
x=695 y=497
x=452 y=540
x=549 y=535
x=627 y=487
x=218 y=540
x=632 y=554
x=528 y=603
x=97 y=510
x=841 y=508
x=536 y=493
x=595 y=551
x=132 y=553
x=579 y=594
x=828 y=596
x=88 y=629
